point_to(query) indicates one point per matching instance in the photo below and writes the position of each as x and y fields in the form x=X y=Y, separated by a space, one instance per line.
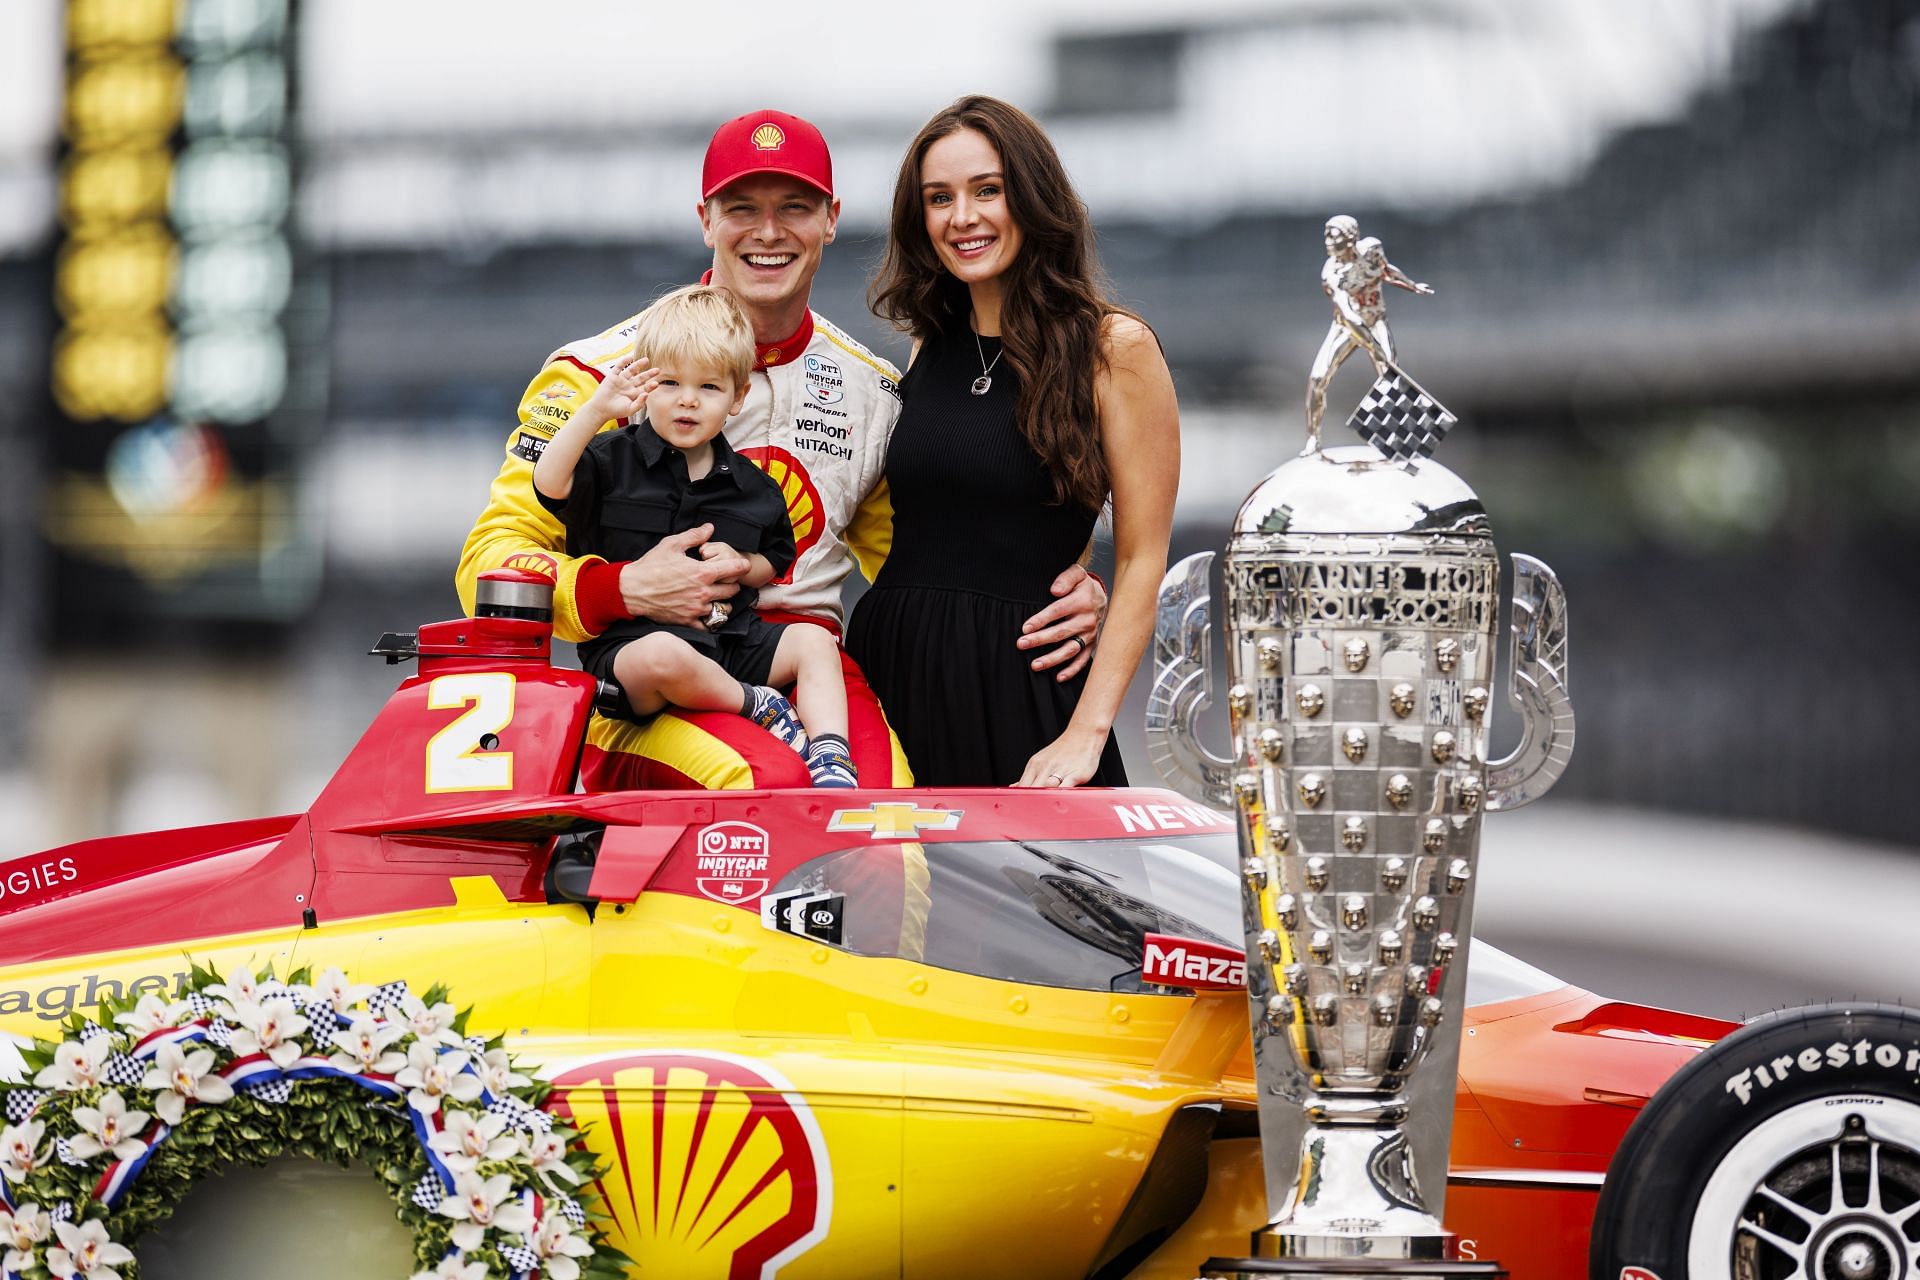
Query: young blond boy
x=619 y=492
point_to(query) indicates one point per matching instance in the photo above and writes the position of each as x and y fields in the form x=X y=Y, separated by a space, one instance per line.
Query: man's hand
x=1068 y=625
x=668 y=585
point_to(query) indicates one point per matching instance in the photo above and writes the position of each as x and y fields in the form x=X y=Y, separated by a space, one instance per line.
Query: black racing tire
x=1729 y=1170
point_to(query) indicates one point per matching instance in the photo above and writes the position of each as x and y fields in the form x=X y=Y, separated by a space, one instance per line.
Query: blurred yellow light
x=96 y=24
x=99 y=190
x=123 y=99
x=112 y=372
x=108 y=278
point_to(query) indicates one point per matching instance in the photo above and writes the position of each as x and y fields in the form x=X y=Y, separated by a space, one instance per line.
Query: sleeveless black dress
x=977 y=541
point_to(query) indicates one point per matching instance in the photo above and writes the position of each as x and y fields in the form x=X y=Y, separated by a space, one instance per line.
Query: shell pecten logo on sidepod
x=769 y=137
x=716 y=1164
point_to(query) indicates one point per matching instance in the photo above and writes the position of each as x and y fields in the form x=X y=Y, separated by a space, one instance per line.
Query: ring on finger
x=1081 y=643
x=1056 y=777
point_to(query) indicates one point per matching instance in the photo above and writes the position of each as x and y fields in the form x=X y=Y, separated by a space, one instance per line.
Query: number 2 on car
x=455 y=758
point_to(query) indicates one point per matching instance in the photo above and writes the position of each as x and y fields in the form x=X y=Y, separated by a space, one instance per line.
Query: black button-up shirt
x=630 y=490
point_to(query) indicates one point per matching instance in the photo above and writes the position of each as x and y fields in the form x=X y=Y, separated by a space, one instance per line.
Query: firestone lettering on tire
x=1745 y=1083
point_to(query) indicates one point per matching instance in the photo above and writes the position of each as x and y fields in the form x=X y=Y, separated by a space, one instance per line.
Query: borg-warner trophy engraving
x=1362 y=600
x=1397 y=416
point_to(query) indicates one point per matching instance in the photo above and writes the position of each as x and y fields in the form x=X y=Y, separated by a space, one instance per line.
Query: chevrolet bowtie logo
x=894 y=820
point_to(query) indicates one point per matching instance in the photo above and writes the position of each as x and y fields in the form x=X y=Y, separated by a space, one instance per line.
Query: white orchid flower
x=468 y=1139
x=241 y=987
x=431 y=1023
x=477 y=1206
x=499 y=1075
x=548 y=1154
x=86 y=1251
x=154 y=1013
x=334 y=988
x=77 y=1064
x=556 y=1245
x=454 y=1267
x=269 y=1028
x=20 y=1149
x=431 y=1075
x=20 y=1230
x=178 y=1077
x=363 y=1048
x=108 y=1127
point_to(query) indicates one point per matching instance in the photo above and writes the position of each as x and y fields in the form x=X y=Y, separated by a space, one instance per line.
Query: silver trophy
x=1362 y=588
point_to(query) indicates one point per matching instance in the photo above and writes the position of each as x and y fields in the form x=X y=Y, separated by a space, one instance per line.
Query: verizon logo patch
x=1188 y=962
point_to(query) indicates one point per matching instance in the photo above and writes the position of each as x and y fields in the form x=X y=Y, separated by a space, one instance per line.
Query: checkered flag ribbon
x=275 y=1091
x=21 y=1102
x=572 y=1212
x=125 y=1070
x=202 y=1006
x=92 y=1031
x=477 y=1046
x=63 y=1212
x=220 y=1033
x=385 y=1001
x=64 y=1149
x=521 y=1116
x=1400 y=419
x=521 y=1259
x=428 y=1192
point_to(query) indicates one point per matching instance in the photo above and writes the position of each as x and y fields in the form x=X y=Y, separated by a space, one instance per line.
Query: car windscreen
x=1063 y=913
x=1060 y=913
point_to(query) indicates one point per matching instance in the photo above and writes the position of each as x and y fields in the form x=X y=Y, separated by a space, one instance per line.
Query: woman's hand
x=1067 y=761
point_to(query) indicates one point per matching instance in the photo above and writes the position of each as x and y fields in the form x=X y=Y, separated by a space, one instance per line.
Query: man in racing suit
x=817 y=419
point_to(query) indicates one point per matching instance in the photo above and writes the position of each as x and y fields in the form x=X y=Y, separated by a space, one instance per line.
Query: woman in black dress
x=1032 y=401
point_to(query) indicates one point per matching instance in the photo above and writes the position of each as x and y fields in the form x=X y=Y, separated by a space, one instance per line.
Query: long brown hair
x=1053 y=293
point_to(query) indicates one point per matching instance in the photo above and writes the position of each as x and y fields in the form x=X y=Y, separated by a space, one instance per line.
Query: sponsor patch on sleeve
x=529 y=446
x=889 y=386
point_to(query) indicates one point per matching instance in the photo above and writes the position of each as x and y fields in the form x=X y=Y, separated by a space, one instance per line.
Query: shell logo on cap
x=804 y=509
x=716 y=1164
x=768 y=137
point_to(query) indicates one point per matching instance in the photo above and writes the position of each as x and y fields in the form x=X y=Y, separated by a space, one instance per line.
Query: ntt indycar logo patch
x=1188 y=962
x=1749 y=1082
x=730 y=862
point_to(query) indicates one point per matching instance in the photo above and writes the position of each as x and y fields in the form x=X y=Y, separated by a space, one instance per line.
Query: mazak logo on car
x=1170 y=961
x=730 y=862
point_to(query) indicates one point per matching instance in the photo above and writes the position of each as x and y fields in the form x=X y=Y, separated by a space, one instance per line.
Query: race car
x=939 y=1033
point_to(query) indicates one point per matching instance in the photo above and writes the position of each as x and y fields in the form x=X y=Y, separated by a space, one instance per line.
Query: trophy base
x=1350 y=1269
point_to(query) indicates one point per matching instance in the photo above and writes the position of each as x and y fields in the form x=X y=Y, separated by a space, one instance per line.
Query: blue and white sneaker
x=772 y=712
x=830 y=764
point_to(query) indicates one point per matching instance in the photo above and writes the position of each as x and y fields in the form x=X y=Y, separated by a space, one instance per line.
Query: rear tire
x=1789 y=1149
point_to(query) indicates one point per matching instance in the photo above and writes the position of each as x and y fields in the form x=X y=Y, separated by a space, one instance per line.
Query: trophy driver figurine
x=1362 y=598
x=1353 y=277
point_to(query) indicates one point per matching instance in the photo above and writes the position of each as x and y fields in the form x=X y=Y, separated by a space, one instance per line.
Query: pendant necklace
x=984 y=383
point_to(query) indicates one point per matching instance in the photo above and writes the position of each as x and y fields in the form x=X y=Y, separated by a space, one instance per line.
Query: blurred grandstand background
x=1676 y=245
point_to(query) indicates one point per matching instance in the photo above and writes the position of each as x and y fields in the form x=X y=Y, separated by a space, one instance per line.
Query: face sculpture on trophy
x=1362 y=591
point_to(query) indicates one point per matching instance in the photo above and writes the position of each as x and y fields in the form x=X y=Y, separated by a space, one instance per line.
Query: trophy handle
x=1537 y=685
x=1182 y=681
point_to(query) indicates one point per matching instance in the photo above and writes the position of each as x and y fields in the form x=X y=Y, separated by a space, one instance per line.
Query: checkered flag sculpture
x=1400 y=419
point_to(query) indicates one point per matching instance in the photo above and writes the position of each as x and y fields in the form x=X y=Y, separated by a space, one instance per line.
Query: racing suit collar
x=785 y=351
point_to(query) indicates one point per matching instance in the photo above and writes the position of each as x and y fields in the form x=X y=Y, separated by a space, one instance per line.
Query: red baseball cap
x=766 y=142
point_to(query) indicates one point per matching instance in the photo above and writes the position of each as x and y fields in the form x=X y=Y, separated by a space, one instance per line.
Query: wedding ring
x=1082 y=643
x=1056 y=777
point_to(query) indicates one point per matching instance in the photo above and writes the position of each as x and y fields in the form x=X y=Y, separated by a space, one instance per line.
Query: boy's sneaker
x=772 y=712
x=830 y=764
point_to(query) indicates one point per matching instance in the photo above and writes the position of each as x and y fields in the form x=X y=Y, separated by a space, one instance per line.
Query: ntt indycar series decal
x=1170 y=961
x=715 y=1164
x=730 y=862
